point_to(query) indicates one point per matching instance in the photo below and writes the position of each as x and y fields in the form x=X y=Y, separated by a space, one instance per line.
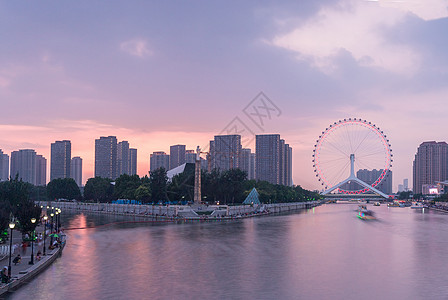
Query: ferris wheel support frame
x=353 y=177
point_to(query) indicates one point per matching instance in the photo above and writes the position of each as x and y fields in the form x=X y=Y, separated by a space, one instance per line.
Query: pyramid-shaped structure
x=252 y=198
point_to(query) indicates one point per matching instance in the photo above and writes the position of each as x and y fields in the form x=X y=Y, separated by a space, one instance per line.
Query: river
x=321 y=253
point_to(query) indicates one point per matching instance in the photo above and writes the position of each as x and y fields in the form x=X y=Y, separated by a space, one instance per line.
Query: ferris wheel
x=348 y=146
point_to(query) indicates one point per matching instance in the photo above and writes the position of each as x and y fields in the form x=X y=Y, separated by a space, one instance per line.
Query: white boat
x=417 y=205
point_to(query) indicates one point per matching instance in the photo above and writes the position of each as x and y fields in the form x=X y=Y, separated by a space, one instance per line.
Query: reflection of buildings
x=4 y=166
x=369 y=177
x=159 y=159
x=430 y=165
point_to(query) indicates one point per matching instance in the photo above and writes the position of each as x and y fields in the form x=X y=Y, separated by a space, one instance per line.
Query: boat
x=376 y=204
x=417 y=205
x=364 y=213
x=394 y=204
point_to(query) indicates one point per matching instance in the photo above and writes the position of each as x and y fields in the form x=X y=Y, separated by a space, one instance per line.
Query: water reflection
x=326 y=253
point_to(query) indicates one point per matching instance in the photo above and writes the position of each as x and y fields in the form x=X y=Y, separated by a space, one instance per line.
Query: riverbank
x=173 y=213
x=23 y=272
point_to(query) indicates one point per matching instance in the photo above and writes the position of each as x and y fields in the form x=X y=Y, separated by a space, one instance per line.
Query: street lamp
x=52 y=215
x=33 y=220
x=45 y=232
x=57 y=213
x=11 y=226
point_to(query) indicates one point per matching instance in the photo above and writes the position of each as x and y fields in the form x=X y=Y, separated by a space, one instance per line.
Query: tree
x=158 y=184
x=99 y=189
x=126 y=186
x=142 y=193
x=65 y=188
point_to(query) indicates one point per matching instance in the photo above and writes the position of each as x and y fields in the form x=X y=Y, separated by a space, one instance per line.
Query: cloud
x=426 y=10
x=136 y=47
x=360 y=28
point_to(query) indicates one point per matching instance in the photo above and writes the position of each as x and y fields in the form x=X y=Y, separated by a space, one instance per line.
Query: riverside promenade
x=184 y=212
x=23 y=272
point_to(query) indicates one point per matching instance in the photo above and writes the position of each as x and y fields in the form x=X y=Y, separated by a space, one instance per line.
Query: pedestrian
x=4 y=275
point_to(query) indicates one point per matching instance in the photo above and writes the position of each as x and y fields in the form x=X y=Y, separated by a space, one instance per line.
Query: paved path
x=25 y=252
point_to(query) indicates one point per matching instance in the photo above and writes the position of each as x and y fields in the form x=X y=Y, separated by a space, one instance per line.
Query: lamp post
x=33 y=220
x=11 y=226
x=45 y=233
x=52 y=215
x=56 y=218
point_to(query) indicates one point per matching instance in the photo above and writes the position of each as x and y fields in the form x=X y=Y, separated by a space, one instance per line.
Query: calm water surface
x=323 y=253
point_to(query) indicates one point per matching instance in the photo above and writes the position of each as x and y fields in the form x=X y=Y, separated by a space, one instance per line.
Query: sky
x=159 y=73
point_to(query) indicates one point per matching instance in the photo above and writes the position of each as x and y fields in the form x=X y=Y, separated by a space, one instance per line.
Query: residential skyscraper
x=273 y=159
x=23 y=165
x=61 y=155
x=252 y=169
x=430 y=165
x=267 y=159
x=106 y=157
x=245 y=160
x=190 y=157
x=177 y=156
x=76 y=170
x=132 y=161
x=41 y=170
x=29 y=166
x=158 y=160
x=226 y=152
x=123 y=158
x=4 y=166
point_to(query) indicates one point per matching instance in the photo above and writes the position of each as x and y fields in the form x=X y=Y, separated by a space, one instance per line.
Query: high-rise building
x=430 y=165
x=245 y=160
x=106 y=157
x=406 y=184
x=76 y=170
x=41 y=170
x=287 y=165
x=23 y=165
x=29 y=166
x=158 y=160
x=369 y=177
x=273 y=159
x=177 y=155
x=190 y=157
x=226 y=152
x=132 y=161
x=61 y=155
x=4 y=166
x=123 y=158
x=252 y=168
x=267 y=159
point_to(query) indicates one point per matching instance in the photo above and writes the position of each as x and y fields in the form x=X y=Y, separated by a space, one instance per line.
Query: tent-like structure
x=252 y=198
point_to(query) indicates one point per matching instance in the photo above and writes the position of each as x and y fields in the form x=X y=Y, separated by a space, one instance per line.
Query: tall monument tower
x=197 y=177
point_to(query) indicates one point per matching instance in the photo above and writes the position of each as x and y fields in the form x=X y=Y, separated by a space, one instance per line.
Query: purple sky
x=169 y=72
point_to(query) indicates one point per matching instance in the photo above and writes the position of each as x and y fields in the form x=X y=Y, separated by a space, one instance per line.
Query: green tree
x=99 y=189
x=158 y=184
x=142 y=193
x=125 y=186
x=65 y=188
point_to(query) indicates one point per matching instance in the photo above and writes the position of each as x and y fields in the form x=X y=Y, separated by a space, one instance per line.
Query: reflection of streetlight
x=45 y=231
x=33 y=220
x=11 y=226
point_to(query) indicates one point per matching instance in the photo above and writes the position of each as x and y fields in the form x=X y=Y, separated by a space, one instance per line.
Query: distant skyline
x=158 y=74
